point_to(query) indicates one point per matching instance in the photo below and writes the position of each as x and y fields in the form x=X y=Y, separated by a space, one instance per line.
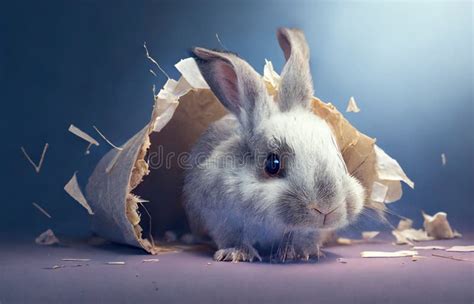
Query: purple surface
x=187 y=277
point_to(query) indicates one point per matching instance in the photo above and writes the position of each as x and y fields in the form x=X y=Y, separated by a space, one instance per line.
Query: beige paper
x=73 y=189
x=47 y=238
x=182 y=111
x=388 y=254
x=352 y=106
x=469 y=248
x=438 y=226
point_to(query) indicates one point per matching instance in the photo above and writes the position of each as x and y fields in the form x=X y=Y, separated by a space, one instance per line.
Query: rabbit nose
x=325 y=214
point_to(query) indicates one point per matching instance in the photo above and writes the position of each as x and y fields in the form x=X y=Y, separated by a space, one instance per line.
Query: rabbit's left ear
x=296 y=86
x=236 y=84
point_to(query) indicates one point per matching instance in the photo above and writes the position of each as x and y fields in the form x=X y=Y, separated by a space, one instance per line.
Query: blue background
x=408 y=64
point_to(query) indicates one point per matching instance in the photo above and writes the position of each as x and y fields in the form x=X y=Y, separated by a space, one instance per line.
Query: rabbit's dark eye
x=272 y=164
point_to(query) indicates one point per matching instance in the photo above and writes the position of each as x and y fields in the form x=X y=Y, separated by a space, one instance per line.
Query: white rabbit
x=267 y=178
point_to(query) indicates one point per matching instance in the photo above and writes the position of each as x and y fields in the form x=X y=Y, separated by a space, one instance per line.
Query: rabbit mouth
x=327 y=219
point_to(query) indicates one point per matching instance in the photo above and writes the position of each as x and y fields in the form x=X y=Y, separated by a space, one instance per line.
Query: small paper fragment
x=408 y=235
x=73 y=189
x=342 y=260
x=443 y=159
x=352 y=106
x=151 y=260
x=388 y=254
x=469 y=248
x=438 y=226
x=75 y=260
x=433 y=247
x=405 y=224
x=78 y=132
x=40 y=163
x=115 y=263
x=368 y=235
x=41 y=210
x=270 y=76
x=47 y=238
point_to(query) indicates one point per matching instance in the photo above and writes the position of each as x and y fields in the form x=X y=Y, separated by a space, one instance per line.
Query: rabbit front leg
x=231 y=244
x=297 y=245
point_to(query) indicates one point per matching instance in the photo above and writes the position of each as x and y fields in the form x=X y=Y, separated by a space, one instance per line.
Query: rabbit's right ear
x=235 y=83
x=296 y=88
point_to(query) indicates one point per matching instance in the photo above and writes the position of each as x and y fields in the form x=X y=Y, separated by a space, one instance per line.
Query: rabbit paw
x=237 y=254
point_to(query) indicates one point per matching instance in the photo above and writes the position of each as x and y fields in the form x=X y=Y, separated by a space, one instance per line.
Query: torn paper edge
x=40 y=163
x=81 y=134
x=41 y=210
x=388 y=254
x=72 y=188
x=106 y=140
x=469 y=248
x=47 y=238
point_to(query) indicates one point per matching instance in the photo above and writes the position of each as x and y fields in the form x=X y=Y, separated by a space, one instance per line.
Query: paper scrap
x=388 y=254
x=438 y=226
x=41 y=210
x=47 y=238
x=433 y=247
x=78 y=132
x=405 y=223
x=408 y=235
x=352 y=106
x=151 y=260
x=115 y=263
x=443 y=159
x=469 y=248
x=73 y=189
x=368 y=235
x=342 y=260
x=55 y=267
x=40 y=163
x=105 y=138
x=154 y=61
x=75 y=260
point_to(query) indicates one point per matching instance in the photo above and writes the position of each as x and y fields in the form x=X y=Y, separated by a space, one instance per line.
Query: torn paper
x=388 y=254
x=408 y=235
x=443 y=159
x=47 y=238
x=438 y=226
x=368 y=235
x=78 y=132
x=72 y=188
x=183 y=109
x=40 y=163
x=469 y=248
x=105 y=138
x=352 y=106
x=434 y=247
x=41 y=210
x=115 y=263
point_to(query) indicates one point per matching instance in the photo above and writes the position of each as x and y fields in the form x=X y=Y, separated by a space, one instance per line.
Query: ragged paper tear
x=388 y=254
x=72 y=188
x=182 y=110
x=435 y=227
x=79 y=133
x=41 y=160
x=367 y=236
x=469 y=248
x=352 y=106
x=438 y=226
x=47 y=238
